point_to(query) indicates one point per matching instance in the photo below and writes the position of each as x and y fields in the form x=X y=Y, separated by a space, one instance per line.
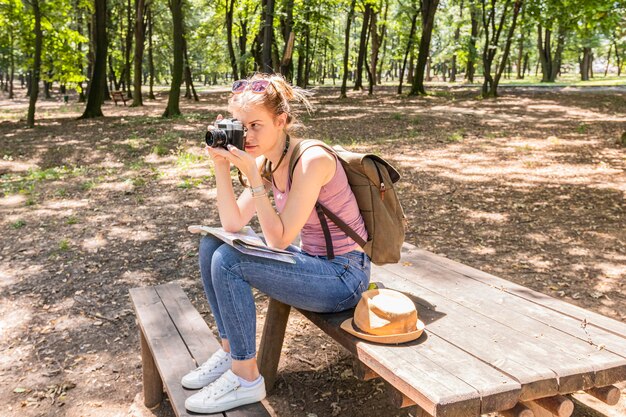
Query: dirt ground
x=530 y=187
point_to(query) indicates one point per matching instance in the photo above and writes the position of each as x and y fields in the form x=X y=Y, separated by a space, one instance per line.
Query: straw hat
x=384 y=316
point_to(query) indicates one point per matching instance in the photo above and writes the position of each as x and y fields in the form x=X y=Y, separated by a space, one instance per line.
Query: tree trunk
x=409 y=47
x=46 y=89
x=190 y=90
x=457 y=35
x=98 y=78
x=79 y=27
x=471 y=56
x=140 y=34
x=383 y=39
x=428 y=9
x=358 y=82
x=558 y=54
x=116 y=84
x=585 y=64
x=545 y=53
x=493 y=91
x=230 y=8
x=12 y=62
x=520 y=56
x=618 y=57
x=243 y=40
x=150 y=57
x=375 y=36
x=268 y=34
x=173 y=102
x=346 y=50
x=30 y=121
x=128 y=48
x=286 y=23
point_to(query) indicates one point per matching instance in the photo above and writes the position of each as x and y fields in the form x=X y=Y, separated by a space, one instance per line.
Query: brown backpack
x=371 y=179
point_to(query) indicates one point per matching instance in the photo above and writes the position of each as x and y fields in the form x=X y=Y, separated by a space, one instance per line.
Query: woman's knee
x=208 y=245
x=225 y=258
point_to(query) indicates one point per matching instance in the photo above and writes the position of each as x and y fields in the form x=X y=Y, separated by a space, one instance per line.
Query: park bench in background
x=118 y=95
x=489 y=346
x=174 y=340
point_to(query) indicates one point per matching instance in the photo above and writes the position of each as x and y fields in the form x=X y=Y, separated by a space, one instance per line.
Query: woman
x=263 y=104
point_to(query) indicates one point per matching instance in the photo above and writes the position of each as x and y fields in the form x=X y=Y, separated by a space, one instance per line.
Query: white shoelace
x=221 y=386
x=212 y=363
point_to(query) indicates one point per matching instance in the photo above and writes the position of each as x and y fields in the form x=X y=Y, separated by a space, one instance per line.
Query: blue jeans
x=313 y=283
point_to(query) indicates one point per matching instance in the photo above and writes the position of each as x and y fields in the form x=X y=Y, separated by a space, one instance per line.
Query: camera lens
x=215 y=138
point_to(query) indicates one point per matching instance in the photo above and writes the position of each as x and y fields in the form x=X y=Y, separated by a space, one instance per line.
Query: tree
x=428 y=9
x=492 y=33
x=268 y=35
x=409 y=46
x=173 y=102
x=150 y=53
x=97 y=83
x=140 y=34
x=230 y=5
x=286 y=25
x=34 y=90
x=367 y=12
x=346 y=49
x=471 y=43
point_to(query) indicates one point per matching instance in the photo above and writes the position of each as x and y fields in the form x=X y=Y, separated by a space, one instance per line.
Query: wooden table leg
x=272 y=341
x=152 y=383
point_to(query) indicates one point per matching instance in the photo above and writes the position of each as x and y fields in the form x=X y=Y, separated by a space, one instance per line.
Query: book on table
x=246 y=241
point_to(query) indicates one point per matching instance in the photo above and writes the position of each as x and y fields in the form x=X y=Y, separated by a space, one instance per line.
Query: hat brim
x=348 y=326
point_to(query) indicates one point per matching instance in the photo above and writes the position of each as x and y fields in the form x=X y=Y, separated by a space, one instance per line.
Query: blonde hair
x=276 y=99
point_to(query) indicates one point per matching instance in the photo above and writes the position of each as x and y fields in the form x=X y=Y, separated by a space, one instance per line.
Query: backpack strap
x=320 y=209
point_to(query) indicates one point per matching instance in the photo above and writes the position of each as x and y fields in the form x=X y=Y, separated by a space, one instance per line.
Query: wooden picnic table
x=489 y=344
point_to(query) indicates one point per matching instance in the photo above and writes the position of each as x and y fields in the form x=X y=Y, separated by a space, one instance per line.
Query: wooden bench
x=174 y=340
x=489 y=346
x=118 y=95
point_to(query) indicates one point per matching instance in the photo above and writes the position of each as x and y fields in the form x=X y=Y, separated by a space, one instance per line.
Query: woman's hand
x=218 y=159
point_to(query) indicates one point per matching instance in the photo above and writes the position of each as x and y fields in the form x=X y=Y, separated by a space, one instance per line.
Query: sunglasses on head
x=257 y=86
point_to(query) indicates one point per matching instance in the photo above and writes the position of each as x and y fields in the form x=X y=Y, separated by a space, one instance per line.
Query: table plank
x=604 y=366
x=616 y=327
x=416 y=369
x=499 y=345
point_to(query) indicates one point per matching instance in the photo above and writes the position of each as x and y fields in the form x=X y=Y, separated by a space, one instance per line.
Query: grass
x=524 y=148
x=165 y=143
x=25 y=183
x=64 y=245
x=455 y=136
x=71 y=220
x=189 y=183
x=185 y=159
x=18 y=224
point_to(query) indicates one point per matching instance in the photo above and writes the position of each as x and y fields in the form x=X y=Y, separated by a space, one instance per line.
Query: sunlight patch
x=485 y=215
x=93 y=245
x=138 y=277
x=14 y=200
x=127 y=233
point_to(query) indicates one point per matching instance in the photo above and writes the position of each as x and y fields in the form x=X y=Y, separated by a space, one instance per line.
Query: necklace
x=269 y=171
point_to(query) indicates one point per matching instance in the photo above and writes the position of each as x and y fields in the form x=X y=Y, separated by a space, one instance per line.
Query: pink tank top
x=338 y=198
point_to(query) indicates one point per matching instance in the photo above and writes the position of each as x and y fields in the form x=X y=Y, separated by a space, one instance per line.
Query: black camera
x=227 y=132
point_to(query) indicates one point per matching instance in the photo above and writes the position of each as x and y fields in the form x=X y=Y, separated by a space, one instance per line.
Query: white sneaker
x=209 y=371
x=223 y=394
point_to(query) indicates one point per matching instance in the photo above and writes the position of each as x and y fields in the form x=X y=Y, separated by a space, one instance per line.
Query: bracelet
x=258 y=191
x=259 y=195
